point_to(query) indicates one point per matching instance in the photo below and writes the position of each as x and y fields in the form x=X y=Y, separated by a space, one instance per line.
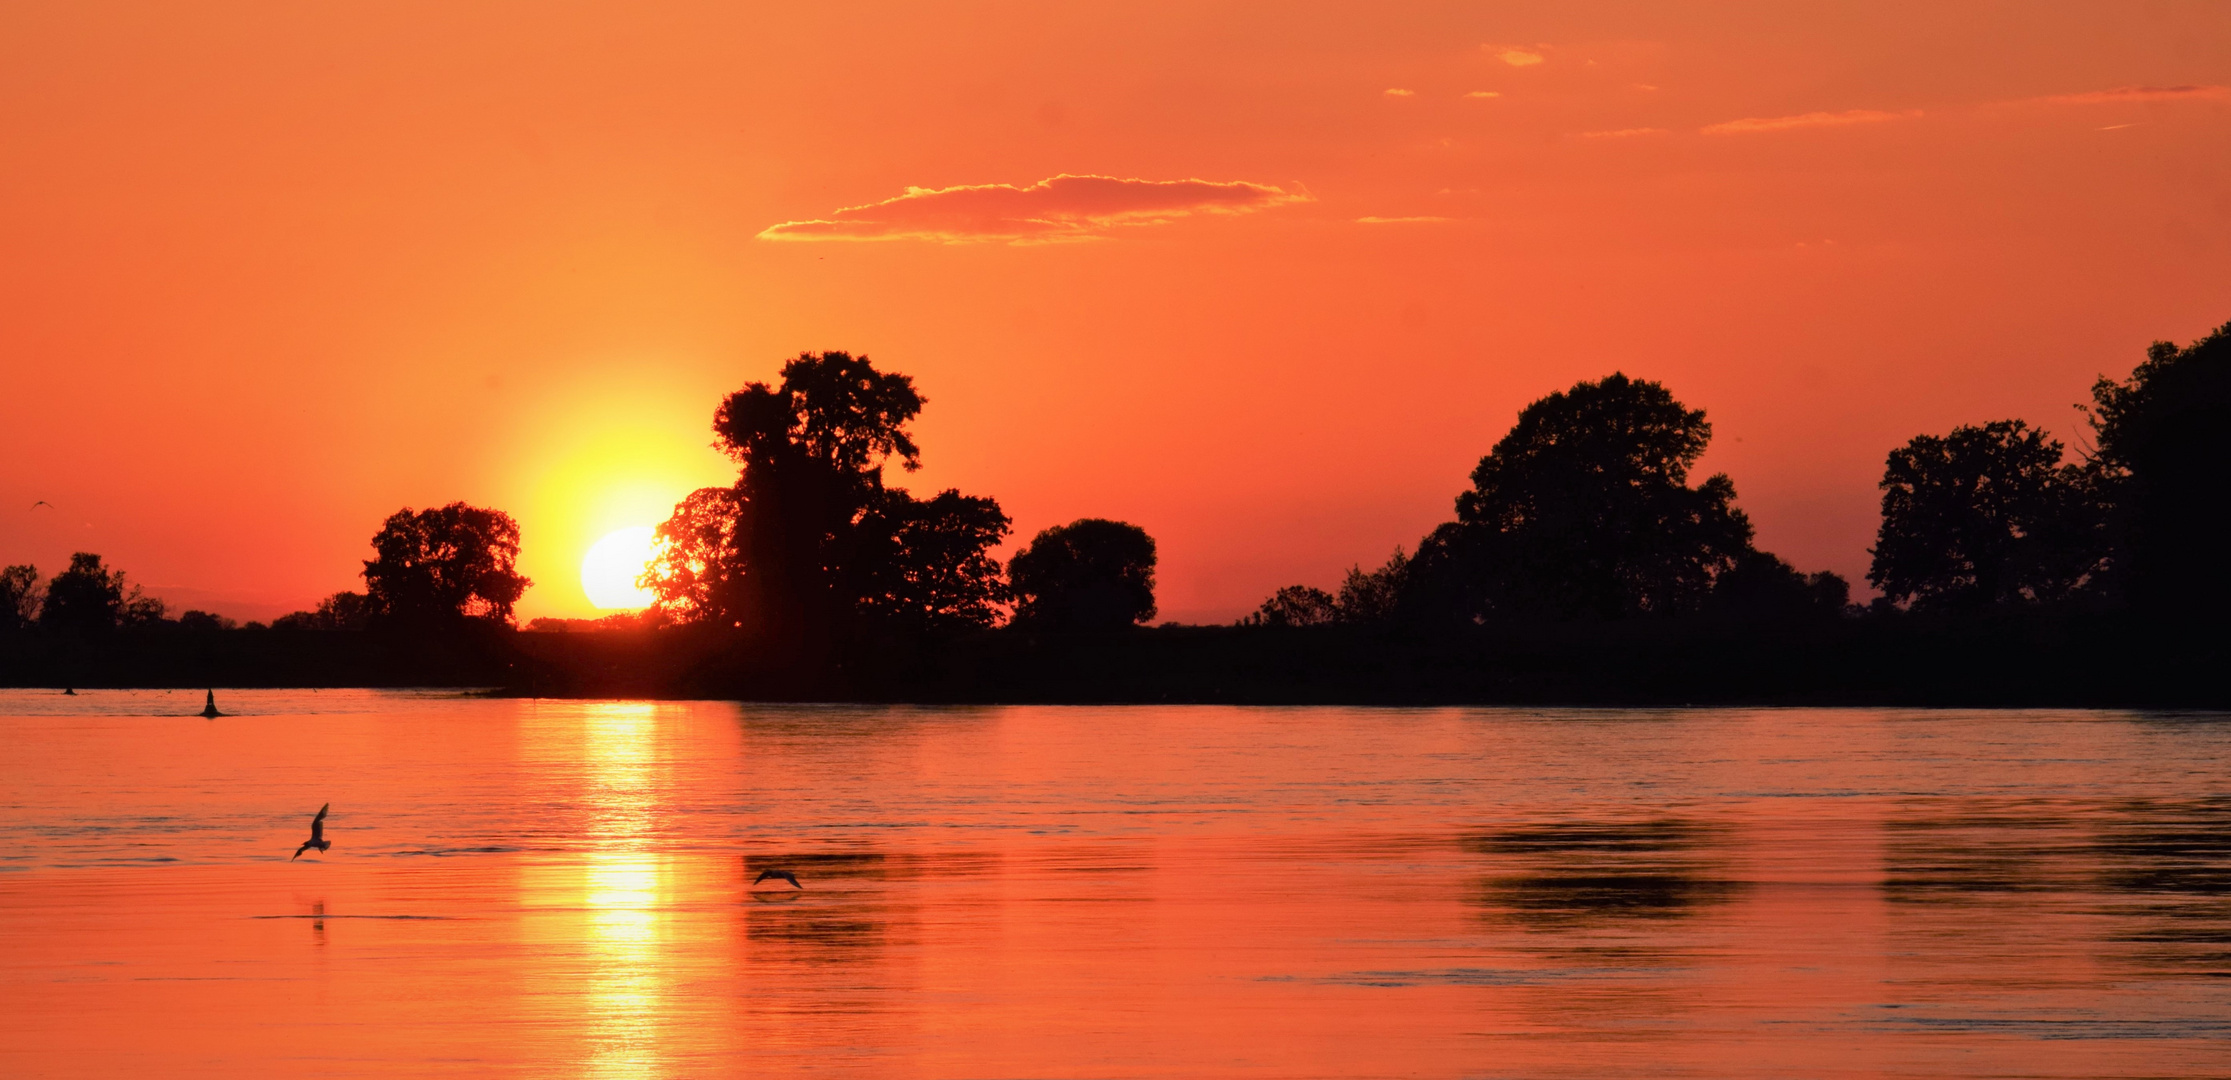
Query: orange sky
x=268 y=273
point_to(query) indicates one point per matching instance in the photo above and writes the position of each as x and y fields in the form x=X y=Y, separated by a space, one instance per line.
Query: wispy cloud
x=1063 y=207
x=1481 y=94
x=1519 y=55
x=1755 y=124
x=2141 y=93
x=1621 y=133
x=1419 y=220
x=1397 y=91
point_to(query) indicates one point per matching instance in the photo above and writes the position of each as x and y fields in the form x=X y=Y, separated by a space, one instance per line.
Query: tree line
x=809 y=547
x=1584 y=511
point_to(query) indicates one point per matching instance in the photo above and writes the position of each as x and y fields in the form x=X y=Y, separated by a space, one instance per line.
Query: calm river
x=560 y=888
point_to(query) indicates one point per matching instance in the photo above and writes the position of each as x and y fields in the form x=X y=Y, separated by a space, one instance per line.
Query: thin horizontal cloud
x=1621 y=133
x=1400 y=92
x=1755 y=124
x=1518 y=57
x=1476 y=94
x=1064 y=207
x=2141 y=93
x=1419 y=220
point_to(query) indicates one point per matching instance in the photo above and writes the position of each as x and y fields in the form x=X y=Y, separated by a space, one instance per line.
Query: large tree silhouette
x=1091 y=574
x=809 y=540
x=1985 y=515
x=2164 y=468
x=90 y=598
x=444 y=566
x=1584 y=510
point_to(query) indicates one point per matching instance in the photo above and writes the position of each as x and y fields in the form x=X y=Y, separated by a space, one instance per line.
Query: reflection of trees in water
x=1980 y=854
x=2146 y=880
x=2167 y=869
x=1563 y=874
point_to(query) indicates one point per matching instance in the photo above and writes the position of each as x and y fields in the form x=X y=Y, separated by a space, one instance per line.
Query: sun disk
x=609 y=571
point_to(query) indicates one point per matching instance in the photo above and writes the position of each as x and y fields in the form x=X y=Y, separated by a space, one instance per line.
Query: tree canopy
x=810 y=540
x=91 y=598
x=1091 y=574
x=1985 y=515
x=443 y=566
x=1584 y=510
x=2164 y=472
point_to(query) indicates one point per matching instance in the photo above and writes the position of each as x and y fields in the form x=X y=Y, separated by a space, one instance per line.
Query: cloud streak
x=2141 y=93
x=1064 y=207
x=1620 y=133
x=1758 y=124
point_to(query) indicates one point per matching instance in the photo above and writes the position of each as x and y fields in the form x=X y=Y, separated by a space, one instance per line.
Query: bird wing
x=298 y=852
x=317 y=824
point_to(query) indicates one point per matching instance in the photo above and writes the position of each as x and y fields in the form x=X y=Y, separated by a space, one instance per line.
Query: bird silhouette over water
x=778 y=875
x=42 y=502
x=317 y=834
x=209 y=712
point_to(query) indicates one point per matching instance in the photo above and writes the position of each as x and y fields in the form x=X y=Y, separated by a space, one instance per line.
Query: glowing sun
x=609 y=570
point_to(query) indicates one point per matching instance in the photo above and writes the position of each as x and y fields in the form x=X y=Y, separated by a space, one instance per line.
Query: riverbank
x=2087 y=659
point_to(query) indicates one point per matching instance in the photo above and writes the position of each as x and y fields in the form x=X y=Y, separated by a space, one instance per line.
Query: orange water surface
x=563 y=888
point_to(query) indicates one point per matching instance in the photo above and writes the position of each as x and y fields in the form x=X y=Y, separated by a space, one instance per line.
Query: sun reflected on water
x=623 y=888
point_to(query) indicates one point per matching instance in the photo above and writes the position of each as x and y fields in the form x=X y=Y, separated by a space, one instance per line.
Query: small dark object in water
x=779 y=875
x=317 y=834
x=209 y=707
x=68 y=692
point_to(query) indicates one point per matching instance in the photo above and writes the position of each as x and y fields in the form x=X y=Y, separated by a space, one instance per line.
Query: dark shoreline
x=2037 y=660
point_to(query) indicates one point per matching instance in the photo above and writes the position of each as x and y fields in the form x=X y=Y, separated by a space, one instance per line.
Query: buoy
x=68 y=692
x=209 y=707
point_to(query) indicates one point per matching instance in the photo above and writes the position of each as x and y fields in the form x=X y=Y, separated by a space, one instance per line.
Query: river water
x=563 y=888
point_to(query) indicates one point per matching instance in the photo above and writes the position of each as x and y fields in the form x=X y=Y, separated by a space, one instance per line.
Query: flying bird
x=42 y=502
x=779 y=875
x=317 y=834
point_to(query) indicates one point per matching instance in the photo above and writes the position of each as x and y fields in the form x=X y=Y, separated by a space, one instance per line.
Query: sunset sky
x=1264 y=279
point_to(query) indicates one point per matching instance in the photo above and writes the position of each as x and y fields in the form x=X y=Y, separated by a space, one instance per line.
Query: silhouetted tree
x=1762 y=587
x=1985 y=515
x=340 y=611
x=90 y=598
x=20 y=594
x=2164 y=462
x=810 y=541
x=927 y=565
x=1365 y=597
x=445 y=565
x=1584 y=510
x=203 y=622
x=697 y=562
x=1295 y=605
x=1371 y=596
x=1091 y=574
